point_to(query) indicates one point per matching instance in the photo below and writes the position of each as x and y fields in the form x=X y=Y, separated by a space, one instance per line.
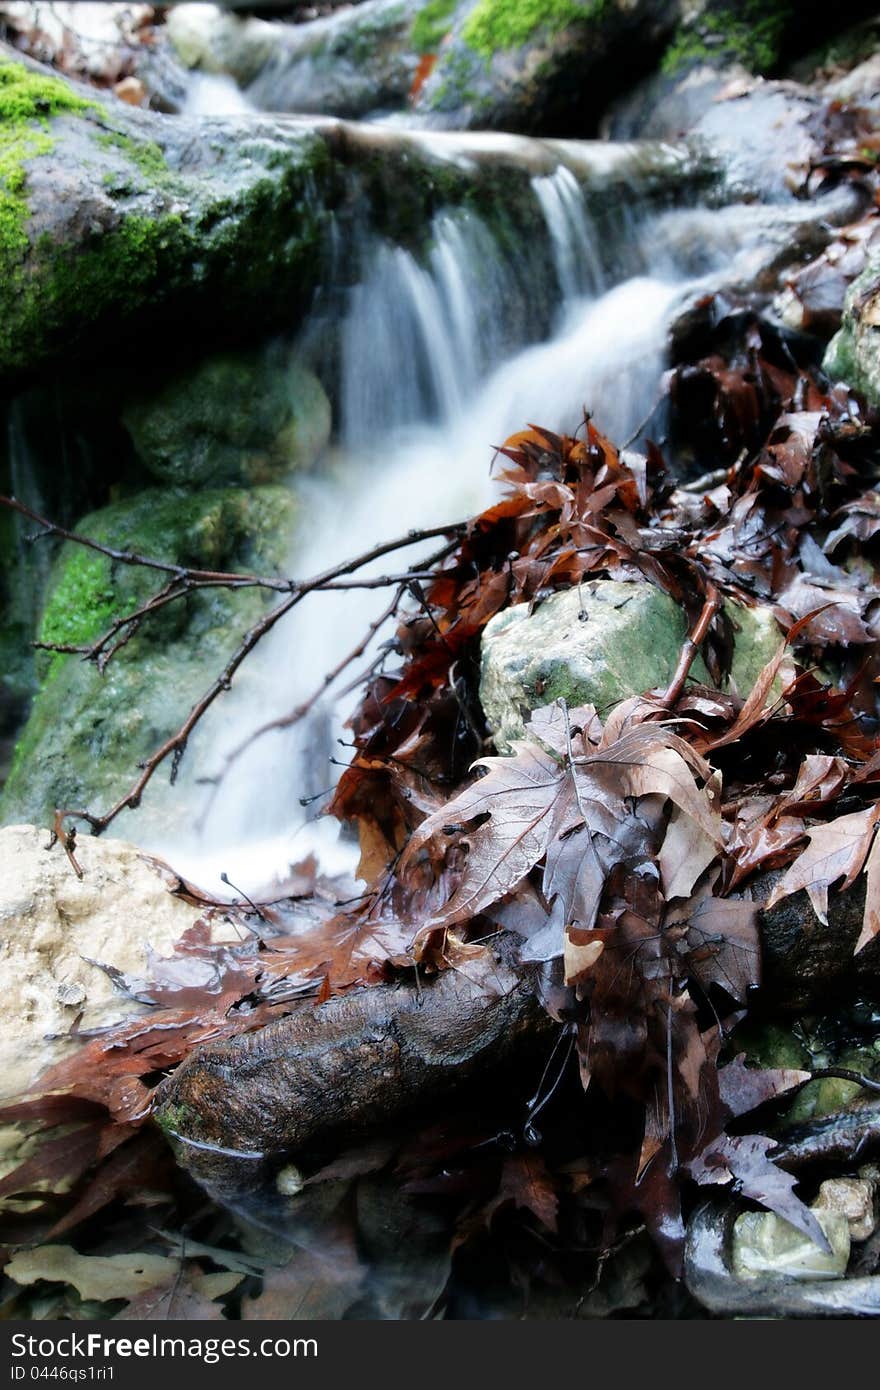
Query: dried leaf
x=836 y=850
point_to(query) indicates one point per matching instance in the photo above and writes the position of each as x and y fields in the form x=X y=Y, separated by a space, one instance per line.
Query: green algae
x=432 y=24
x=505 y=24
x=27 y=101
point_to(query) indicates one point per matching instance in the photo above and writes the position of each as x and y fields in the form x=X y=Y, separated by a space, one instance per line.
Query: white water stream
x=430 y=383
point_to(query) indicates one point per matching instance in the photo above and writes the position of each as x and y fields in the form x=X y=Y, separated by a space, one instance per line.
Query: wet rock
x=598 y=644
x=361 y=60
x=765 y=138
x=805 y=960
x=765 y=1245
x=712 y=1281
x=549 y=66
x=87 y=732
x=853 y=354
x=667 y=105
x=238 y=418
x=213 y=40
x=852 y=1198
x=54 y=926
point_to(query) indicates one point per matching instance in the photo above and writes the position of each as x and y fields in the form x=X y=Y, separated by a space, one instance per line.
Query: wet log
x=356 y=1063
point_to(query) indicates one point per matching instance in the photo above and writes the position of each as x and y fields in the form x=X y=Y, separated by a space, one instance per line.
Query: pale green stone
x=764 y=1244
x=599 y=644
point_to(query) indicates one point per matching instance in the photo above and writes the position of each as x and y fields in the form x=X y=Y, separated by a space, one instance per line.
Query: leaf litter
x=620 y=850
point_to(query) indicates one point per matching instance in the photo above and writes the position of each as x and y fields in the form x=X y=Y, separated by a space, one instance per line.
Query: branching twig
x=183 y=581
x=294 y=716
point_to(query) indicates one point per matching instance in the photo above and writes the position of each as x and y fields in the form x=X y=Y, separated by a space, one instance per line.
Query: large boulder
x=237 y=418
x=57 y=931
x=853 y=354
x=87 y=732
x=125 y=234
x=358 y=61
x=548 y=66
x=599 y=644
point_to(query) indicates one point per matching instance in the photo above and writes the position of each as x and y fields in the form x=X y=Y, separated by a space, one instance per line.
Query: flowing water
x=435 y=369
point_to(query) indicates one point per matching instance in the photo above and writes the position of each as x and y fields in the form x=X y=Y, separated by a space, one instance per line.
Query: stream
x=436 y=369
x=304 y=320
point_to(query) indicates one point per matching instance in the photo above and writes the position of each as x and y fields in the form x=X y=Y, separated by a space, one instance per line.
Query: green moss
x=27 y=100
x=114 y=275
x=501 y=24
x=432 y=24
x=146 y=155
x=81 y=606
x=173 y=1118
x=87 y=733
x=749 y=32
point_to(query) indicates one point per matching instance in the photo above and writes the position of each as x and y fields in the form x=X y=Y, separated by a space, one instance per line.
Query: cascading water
x=435 y=371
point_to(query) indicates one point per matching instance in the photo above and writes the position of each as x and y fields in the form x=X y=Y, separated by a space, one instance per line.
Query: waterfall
x=575 y=255
x=434 y=373
x=440 y=349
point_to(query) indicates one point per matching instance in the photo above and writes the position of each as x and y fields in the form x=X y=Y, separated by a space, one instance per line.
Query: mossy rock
x=236 y=418
x=599 y=644
x=140 y=238
x=721 y=32
x=538 y=66
x=88 y=732
x=853 y=355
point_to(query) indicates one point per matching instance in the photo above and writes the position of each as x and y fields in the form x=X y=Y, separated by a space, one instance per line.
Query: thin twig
x=175 y=746
x=691 y=646
x=294 y=716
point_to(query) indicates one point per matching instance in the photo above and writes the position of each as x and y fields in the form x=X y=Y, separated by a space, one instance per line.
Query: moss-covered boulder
x=129 y=235
x=597 y=645
x=237 y=418
x=87 y=732
x=115 y=220
x=545 y=66
x=853 y=355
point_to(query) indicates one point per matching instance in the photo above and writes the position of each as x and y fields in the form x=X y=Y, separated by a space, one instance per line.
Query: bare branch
x=183 y=581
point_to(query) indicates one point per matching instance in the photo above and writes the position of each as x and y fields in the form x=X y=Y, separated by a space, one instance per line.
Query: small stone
x=71 y=993
x=766 y=1245
x=131 y=90
x=852 y=1198
x=289 y=1181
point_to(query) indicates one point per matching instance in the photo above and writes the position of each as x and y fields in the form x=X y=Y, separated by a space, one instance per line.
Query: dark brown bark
x=356 y=1063
x=362 y=1060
